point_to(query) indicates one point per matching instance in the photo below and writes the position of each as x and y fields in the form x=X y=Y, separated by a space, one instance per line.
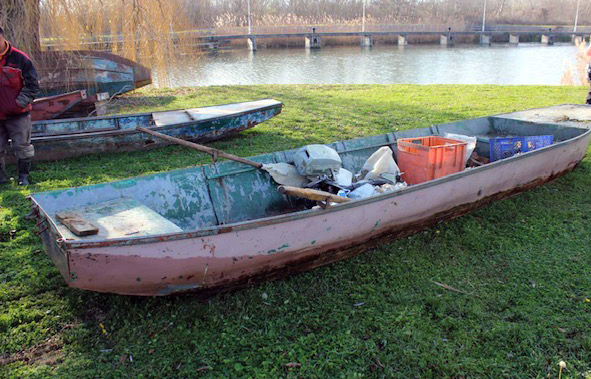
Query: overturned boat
x=225 y=225
x=92 y=71
x=58 y=139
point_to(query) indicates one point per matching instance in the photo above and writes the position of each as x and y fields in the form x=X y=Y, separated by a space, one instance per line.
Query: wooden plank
x=77 y=224
x=171 y=118
x=122 y=217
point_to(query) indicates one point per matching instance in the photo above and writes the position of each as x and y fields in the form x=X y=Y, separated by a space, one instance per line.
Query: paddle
x=283 y=174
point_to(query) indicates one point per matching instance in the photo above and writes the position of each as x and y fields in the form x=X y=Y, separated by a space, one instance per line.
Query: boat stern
x=52 y=241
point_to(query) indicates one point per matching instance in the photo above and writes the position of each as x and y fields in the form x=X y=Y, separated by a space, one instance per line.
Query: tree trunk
x=500 y=9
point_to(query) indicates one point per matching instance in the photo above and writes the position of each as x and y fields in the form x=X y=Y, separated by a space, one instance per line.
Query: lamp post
x=577 y=15
x=363 y=18
x=249 y=20
x=483 y=15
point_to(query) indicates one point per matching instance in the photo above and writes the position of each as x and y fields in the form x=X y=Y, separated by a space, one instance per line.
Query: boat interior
x=227 y=192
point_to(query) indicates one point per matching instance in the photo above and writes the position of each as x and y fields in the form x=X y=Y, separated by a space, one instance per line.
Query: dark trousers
x=18 y=130
x=588 y=101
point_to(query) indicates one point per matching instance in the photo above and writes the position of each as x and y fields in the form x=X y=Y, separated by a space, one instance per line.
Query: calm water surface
x=419 y=64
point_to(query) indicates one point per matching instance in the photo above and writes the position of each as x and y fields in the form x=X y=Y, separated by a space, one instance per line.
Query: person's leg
x=19 y=131
x=3 y=146
x=588 y=101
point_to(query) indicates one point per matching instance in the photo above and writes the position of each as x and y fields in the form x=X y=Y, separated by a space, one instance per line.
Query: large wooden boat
x=224 y=226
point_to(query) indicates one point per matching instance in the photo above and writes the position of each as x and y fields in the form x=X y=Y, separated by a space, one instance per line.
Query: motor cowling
x=316 y=160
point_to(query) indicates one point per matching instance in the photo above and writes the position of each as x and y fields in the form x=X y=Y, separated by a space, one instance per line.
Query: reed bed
x=575 y=73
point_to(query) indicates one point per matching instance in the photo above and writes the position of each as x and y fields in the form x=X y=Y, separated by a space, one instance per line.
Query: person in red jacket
x=19 y=85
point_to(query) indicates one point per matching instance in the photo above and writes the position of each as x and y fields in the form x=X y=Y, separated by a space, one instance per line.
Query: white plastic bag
x=387 y=188
x=343 y=177
x=470 y=140
x=362 y=192
x=378 y=163
x=286 y=174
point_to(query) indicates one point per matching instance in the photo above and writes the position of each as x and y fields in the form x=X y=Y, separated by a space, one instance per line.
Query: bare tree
x=20 y=19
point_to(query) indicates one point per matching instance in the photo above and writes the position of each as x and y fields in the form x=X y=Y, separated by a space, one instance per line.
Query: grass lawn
x=524 y=265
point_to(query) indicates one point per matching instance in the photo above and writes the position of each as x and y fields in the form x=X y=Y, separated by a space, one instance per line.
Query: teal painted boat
x=58 y=139
x=93 y=71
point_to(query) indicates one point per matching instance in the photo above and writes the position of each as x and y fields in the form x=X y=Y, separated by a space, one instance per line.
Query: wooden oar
x=282 y=173
x=204 y=149
x=275 y=169
x=312 y=194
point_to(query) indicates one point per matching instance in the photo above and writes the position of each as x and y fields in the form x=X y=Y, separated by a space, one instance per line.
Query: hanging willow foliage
x=20 y=19
x=140 y=30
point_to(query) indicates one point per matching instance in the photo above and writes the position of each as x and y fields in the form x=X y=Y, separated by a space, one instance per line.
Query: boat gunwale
x=272 y=220
x=115 y=132
x=54 y=97
x=97 y=69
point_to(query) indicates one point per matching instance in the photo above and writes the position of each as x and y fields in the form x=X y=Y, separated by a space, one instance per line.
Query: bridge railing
x=527 y=28
x=323 y=28
x=104 y=41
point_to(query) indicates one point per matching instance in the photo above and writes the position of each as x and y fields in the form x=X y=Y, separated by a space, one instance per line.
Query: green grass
x=524 y=264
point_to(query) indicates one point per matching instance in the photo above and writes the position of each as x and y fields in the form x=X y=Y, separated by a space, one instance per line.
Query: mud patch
x=47 y=353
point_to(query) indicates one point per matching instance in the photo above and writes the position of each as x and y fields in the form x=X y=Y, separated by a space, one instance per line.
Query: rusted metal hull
x=59 y=139
x=231 y=256
x=50 y=107
x=93 y=71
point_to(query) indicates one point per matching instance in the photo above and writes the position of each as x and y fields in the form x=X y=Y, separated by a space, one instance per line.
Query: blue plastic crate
x=508 y=146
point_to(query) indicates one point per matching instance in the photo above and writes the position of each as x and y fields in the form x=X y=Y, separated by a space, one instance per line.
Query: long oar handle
x=312 y=194
x=204 y=149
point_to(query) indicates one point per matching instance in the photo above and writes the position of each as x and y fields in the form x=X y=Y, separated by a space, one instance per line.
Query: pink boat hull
x=271 y=249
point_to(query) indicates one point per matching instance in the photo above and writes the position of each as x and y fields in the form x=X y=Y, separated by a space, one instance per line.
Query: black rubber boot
x=24 y=167
x=3 y=178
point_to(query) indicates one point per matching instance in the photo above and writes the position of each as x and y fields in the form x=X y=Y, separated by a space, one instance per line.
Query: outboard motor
x=313 y=161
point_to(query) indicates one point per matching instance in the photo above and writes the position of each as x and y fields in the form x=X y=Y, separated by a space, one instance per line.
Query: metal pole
x=483 y=15
x=363 y=19
x=577 y=15
x=249 y=22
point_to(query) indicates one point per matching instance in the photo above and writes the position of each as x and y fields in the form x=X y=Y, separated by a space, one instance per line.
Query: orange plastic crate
x=425 y=158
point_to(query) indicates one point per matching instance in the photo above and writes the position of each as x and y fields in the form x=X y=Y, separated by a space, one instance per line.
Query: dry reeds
x=576 y=74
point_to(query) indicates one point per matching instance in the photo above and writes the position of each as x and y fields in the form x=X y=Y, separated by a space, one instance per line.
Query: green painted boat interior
x=229 y=192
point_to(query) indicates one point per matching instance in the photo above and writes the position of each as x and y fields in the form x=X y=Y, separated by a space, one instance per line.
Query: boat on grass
x=224 y=226
x=65 y=138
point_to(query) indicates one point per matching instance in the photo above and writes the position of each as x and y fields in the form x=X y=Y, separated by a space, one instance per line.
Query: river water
x=526 y=63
